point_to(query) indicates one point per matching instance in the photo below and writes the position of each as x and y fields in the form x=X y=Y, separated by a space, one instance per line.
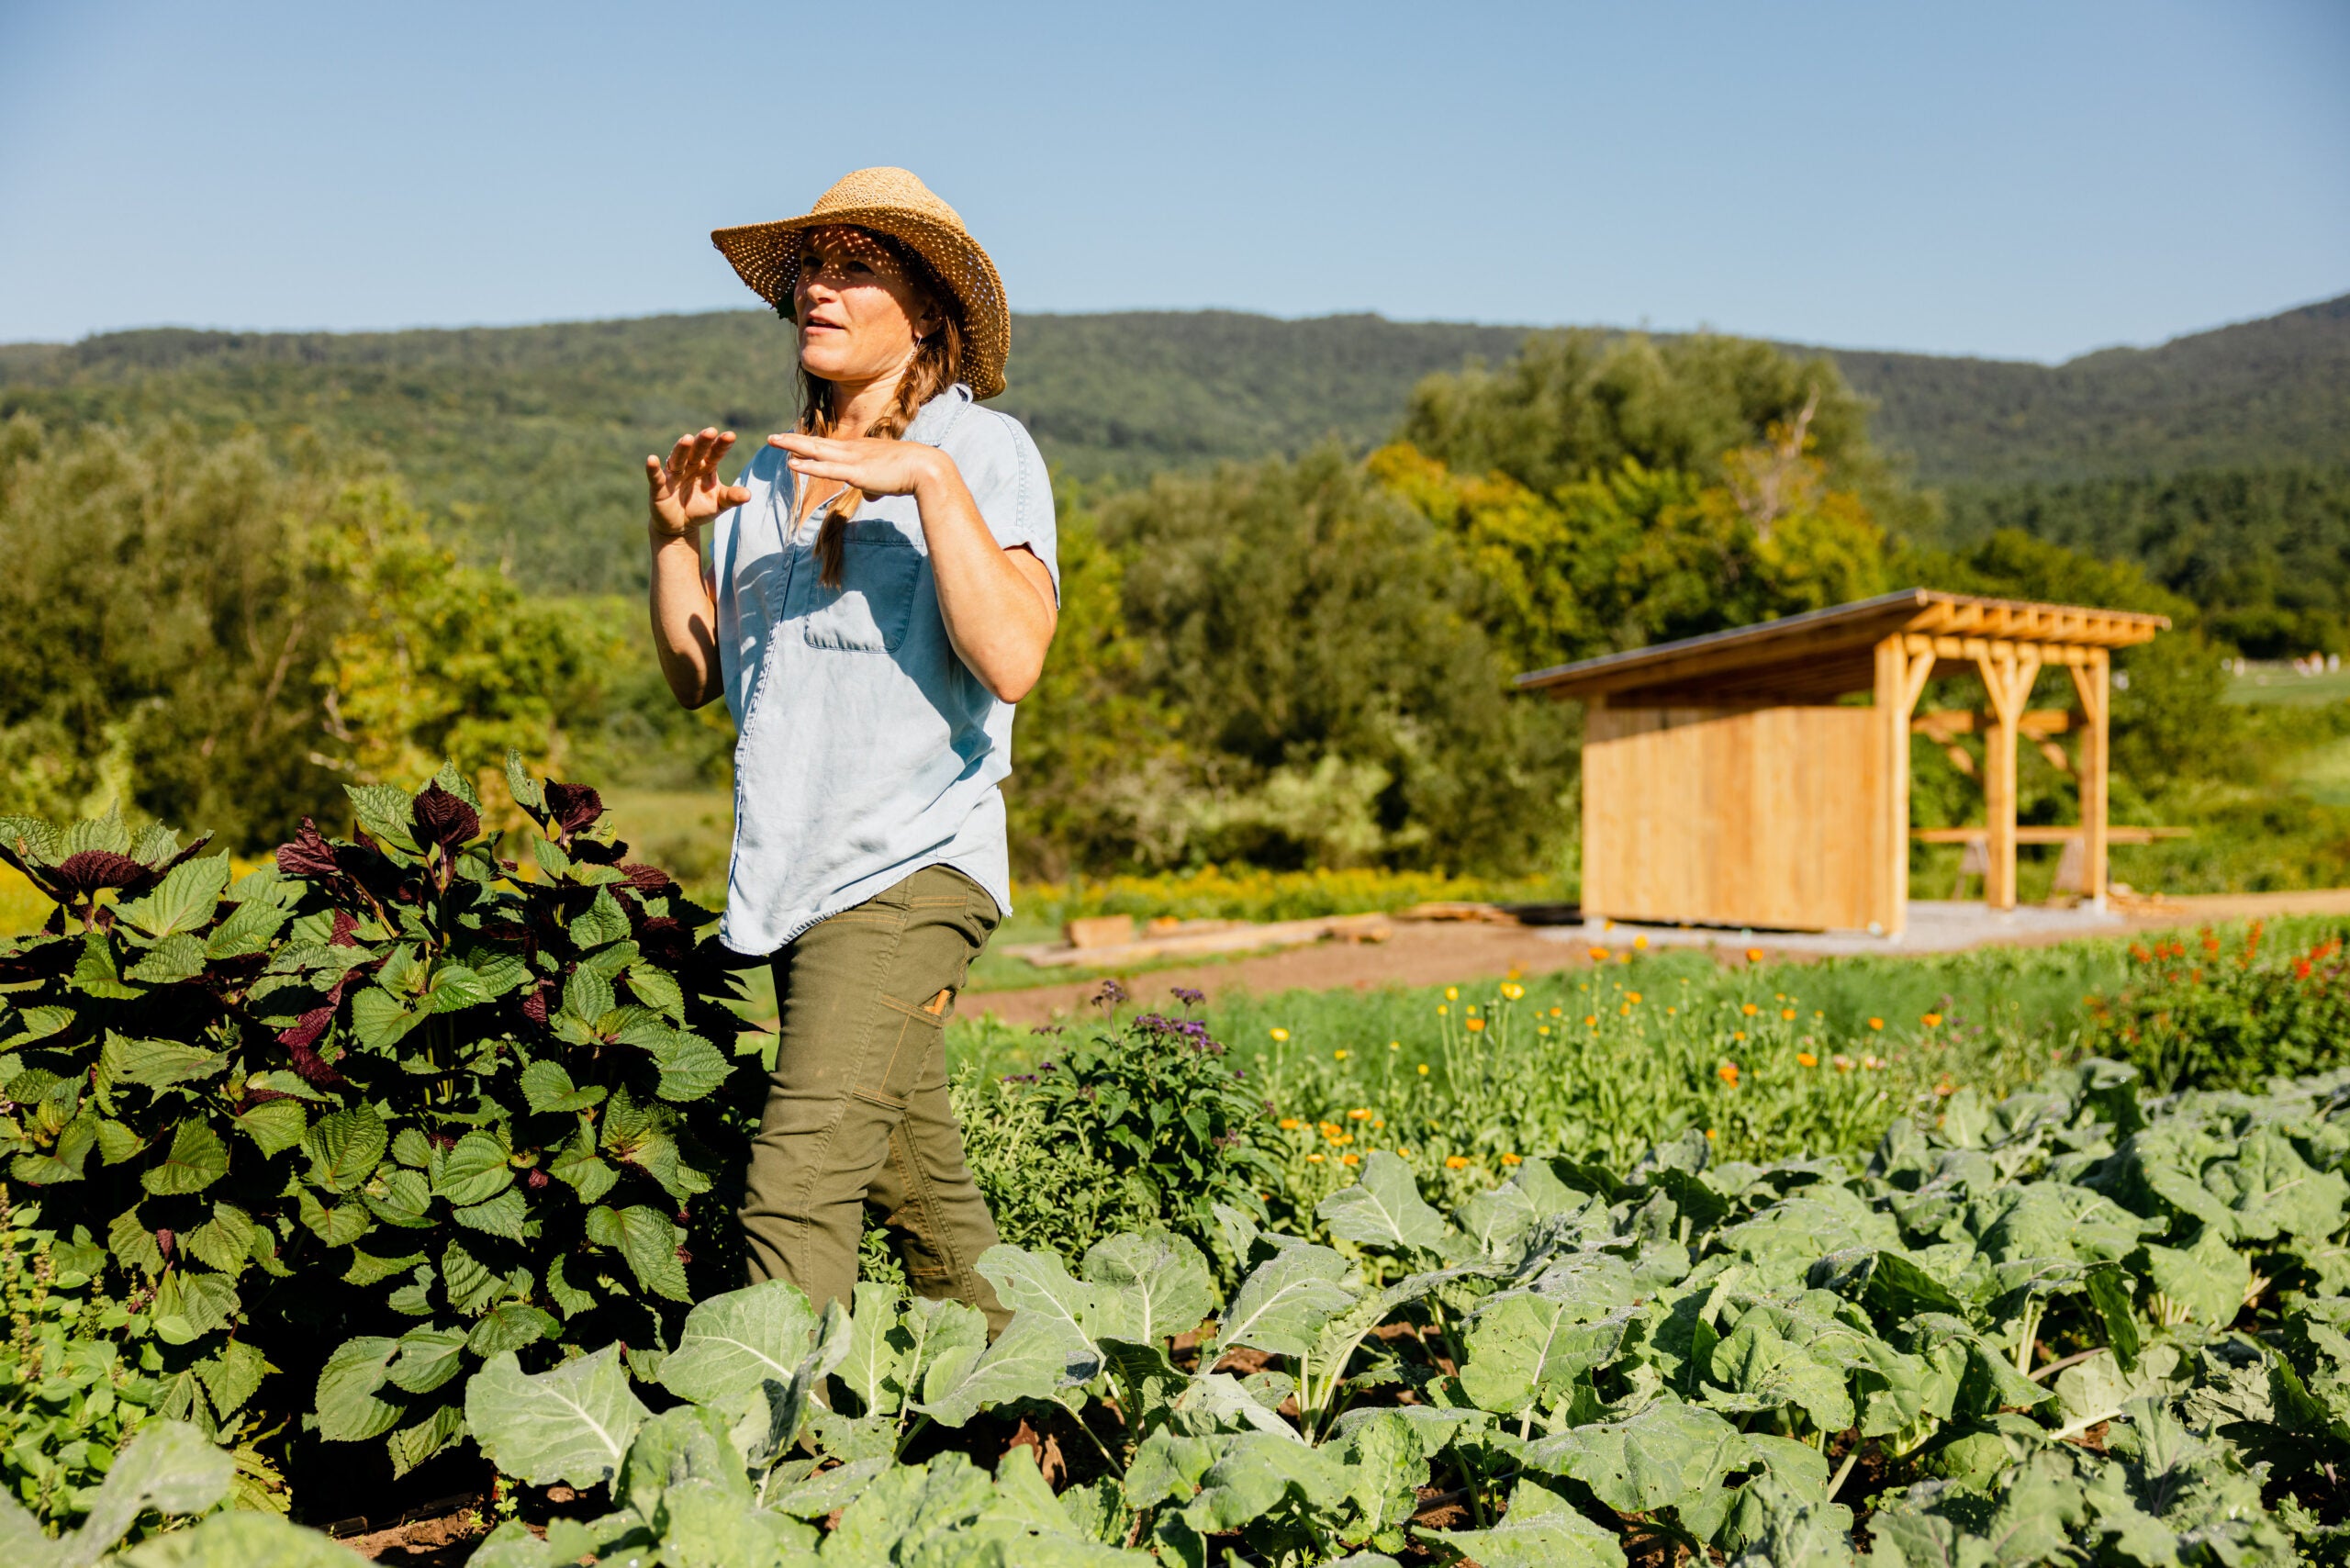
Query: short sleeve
x=1006 y=475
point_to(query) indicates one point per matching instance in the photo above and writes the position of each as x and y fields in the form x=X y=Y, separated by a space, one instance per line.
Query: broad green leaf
x=239 y=1539
x=872 y=1362
x=1766 y=1371
x=381 y=1019
x=337 y=1226
x=1529 y=1348
x=576 y=1165
x=182 y=901
x=1256 y=1474
x=189 y=1305
x=347 y=1408
x=157 y=1064
x=168 y=1466
x=678 y=1445
x=569 y=1297
x=690 y=1066
x=1287 y=1298
x=603 y=921
x=1664 y=1456
x=732 y=1343
x=1041 y=1283
x=910 y=1514
x=344 y=1148
x=133 y=1245
x=830 y=1491
x=657 y=989
x=501 y=1216
x=367 y=1269
x=510 y=1326
x=586 y=995
x=471 y=1284
x=196 y=1159
x=1148 y=1287
x=231 y=1374
x=2210 y=1279
x=399 y=1197
x=1035 y=1357
x=174 y=958
x=548 y=1088
x=427 y=1357
x=412 y=1446
x=528 y=792
x=225 y=1240
x=648 y=1240
x=1385 y=1465
x=455 y=988
x=1539 y=1531
x=1384 y=1208
x=385 y=812
x=275 y=1125
x=571 y=1423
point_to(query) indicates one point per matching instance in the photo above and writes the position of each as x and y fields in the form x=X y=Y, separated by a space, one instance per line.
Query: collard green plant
x=380 y=1112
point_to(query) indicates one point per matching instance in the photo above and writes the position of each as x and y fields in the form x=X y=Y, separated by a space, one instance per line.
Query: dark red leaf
x=663 y=941
x=83 y=874
x=574 y=806
x=345 y=923
x=441 y=818
x=595 y=853
x=647 y=879
x=309 y=856
x=534 y=1006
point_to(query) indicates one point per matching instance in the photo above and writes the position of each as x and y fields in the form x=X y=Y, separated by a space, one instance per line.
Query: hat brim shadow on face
x=766 y=257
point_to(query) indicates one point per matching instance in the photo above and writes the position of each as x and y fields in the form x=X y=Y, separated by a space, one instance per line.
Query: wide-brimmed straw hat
x=892 y=202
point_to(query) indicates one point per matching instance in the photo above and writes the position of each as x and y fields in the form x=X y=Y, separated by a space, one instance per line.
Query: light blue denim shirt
x=868 y=749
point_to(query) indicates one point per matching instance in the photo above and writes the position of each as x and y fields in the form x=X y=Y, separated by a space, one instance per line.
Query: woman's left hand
x=875 y=467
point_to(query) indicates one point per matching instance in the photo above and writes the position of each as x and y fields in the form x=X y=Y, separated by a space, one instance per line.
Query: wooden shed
x=1726 y=782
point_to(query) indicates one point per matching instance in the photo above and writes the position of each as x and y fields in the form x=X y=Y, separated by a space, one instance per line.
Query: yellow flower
x=1778 y=996
x=1805 y=1058
x=1350 y=1159
x=1626 y=1009
x=1512 y=992
x=1314 y=1159
x=1932 y=1020
x=1754 y=954
x=1472 y=1009
x=1788 y=1013
x=1709 y=1132
x=1591 y=1019
x=1278 y=1034
x=1737 y=1033
x=1542 y=1029
x=1290 y=1124
x=1359 y=1114
x=1475 y=1026
x=1456 y=1162
x=1671 y=1011
x=1452 y=993
x=1639 y=941
x=1404 y=1152
x=1876 y=1023
x=1343 y=1139
x=1394 y=1045
x=1340 y=1054
x=1632 y=996
x=1441 y=1010
x=1558 y=1012
x=1379 y=1121
x=1749 y=1008
x=1424 y=1069
x=1330 y=1130
x=1512 y=1160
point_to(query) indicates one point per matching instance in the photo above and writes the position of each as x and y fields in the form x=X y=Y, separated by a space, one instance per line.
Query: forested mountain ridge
x=530 y=437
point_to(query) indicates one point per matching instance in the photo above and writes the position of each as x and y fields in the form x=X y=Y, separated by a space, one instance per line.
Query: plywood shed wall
x=1725 y=782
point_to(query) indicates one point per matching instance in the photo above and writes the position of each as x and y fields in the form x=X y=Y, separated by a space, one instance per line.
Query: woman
x=882 y=589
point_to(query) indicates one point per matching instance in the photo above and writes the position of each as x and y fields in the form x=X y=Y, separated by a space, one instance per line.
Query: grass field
x=2277 y=683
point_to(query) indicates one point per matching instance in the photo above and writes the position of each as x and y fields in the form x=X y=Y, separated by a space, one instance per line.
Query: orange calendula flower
x=1728 y=1073
x=1350 y=1159
x=1474 y=1025
x=1359 y=1114
x=1932 y=1020
x=1631 y=996
x=1749 y=1008
x=1788 y=1013
x=1330 y=1130
x=1754 y=954
x=1558 y=1012
x=1512 y=992
x=1805 y=1058
x=1599 y=955
x=1876 y=1023
x=1290 y=1124
x=1737 y=1033
x=1709 y=1132
x=1512 y=1160
x=1456 y=1162
x=1591 y=1019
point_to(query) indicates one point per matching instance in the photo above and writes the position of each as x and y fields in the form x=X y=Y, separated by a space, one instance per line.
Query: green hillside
x=529 y=437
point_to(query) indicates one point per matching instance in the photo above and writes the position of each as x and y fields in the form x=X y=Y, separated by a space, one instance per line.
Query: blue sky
x=2028 y=180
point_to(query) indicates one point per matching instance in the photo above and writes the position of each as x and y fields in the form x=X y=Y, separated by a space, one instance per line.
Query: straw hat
x=892 y=202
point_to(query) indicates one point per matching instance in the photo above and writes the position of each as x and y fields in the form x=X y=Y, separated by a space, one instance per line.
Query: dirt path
x=1434 y=953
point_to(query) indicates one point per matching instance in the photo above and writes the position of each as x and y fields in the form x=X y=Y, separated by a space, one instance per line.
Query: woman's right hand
x=685 y=491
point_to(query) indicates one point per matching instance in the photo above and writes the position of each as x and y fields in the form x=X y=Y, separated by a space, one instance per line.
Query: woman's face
x=858 y=311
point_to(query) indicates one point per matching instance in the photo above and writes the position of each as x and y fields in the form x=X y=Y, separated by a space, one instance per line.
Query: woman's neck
x=857 y=405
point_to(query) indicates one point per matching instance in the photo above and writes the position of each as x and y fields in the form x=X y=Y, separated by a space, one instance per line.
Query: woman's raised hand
x=685 y=491
x=875 y=467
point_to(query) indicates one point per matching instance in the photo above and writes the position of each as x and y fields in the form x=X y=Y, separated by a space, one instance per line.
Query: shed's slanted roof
x=1823 y=654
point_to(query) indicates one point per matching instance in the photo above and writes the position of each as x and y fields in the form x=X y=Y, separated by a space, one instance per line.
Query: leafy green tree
x=1338 y=699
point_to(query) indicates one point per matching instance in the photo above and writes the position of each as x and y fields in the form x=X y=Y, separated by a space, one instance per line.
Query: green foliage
x=1134 y=1123
x=1684 y=1354
x=380 y=1111
x=166 y=1468
x=1301 y=624
x=2229 y=1014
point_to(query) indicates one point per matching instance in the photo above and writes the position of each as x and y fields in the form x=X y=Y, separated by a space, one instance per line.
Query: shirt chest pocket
x=869 y=612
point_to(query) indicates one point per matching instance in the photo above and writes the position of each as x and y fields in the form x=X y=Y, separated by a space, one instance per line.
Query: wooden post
x=2094 y=682
x=1592 y=894
x=1901 y=673
x=2007 y=674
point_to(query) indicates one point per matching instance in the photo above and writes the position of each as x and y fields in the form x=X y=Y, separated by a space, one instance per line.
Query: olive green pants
x=857 y=1118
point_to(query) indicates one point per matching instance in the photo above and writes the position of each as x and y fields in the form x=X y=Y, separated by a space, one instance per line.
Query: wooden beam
x=2008 y=676
x=1901 y=678
x=2094 y=683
